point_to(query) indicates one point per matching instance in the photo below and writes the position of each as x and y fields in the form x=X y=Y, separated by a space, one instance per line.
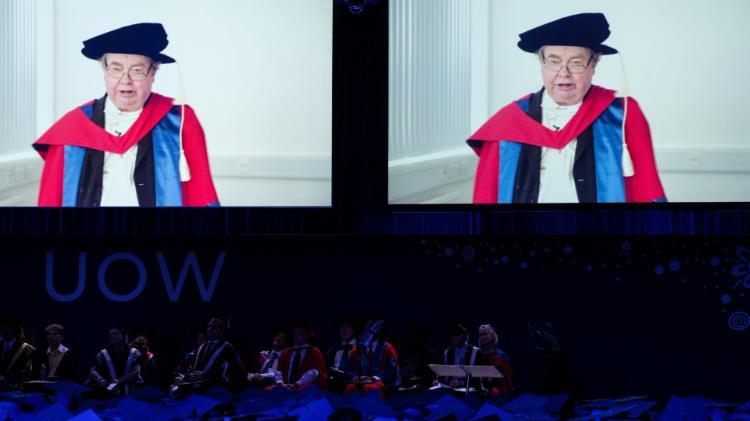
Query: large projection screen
x=258 y=74
x=454 y=64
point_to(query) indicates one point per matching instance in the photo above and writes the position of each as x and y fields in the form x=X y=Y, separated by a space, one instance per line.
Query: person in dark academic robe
x=215 y=363
x=460 y=353
x=117 y=368
x=150 y=370
x=16 y=356
x=302 y=364
x=58 y=361
x=375 y=363
x=339 y=357
x=199 y=338
x=132 y=147
x=571 y=142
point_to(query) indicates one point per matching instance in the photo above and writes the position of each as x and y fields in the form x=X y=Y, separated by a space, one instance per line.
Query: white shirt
x=556 y=181
x=55 y=356
x=118 y=186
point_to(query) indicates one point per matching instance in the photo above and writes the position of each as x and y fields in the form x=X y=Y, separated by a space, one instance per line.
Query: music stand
x=468 y=371
x=447 y=370
x=484 y=371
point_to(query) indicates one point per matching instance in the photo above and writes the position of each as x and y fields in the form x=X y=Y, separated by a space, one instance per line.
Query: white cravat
x=556 y=181
x=118 y=186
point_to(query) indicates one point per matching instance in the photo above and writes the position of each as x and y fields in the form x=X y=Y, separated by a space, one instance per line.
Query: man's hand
x=196 y=376
x=292 y=387
x=456 y=383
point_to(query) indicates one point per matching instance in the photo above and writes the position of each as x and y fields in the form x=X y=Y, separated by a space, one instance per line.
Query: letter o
x=141 y=277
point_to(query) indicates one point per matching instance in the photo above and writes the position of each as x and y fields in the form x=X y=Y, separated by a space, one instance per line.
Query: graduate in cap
x=570 y=142
x=131 y=147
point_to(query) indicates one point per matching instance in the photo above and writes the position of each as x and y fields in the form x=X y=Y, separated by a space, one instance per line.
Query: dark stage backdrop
x=632 y=315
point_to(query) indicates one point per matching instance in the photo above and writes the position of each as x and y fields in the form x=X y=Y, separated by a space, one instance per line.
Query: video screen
x=166 y=103
x=504 y=102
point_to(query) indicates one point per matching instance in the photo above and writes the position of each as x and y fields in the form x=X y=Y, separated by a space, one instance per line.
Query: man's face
x=116 y=338
x=214 y=330
x=54 y=338
x=300 y=336
x=128 y=94
x=459 y=340
x=279 y=341
x=564 y=87
x=346 y=332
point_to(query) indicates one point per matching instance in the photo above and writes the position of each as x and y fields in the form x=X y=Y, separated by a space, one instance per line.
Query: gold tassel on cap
x=180 y=100
x=627 y=163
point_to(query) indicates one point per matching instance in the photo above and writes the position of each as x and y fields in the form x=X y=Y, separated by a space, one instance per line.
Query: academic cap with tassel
x=146 y=39
x=587 y=30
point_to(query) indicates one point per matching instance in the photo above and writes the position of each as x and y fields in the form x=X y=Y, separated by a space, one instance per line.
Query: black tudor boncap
x=582 y=30
x=146 y=39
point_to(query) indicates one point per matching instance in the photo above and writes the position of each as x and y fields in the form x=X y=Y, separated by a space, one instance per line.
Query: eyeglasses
x=575 y=66
x=135 y=74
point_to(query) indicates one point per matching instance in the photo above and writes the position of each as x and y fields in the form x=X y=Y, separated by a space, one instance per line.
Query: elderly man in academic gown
x=131 y=147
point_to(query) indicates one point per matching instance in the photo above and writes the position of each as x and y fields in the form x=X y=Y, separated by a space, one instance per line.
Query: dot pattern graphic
x=717 y=270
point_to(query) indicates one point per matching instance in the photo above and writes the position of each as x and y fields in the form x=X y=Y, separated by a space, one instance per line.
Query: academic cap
x=458 y=329
x=146 y=39
x=582 y=30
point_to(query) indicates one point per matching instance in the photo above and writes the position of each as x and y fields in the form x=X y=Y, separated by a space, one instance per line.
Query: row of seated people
x=363 y=361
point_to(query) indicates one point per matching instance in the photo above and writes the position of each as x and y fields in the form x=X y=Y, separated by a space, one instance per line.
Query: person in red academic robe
x=571 y=142
x=302 y=364
x=494 y=356
x=375 y=365
x=132 y=147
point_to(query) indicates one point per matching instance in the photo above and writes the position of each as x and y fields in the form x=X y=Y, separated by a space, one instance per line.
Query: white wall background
x=686 y=62
x=257 y=72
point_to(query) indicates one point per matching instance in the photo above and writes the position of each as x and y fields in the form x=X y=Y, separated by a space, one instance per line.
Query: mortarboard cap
x=458 y=329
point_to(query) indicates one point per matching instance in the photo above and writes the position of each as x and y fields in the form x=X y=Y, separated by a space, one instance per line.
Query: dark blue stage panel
x=648 y=316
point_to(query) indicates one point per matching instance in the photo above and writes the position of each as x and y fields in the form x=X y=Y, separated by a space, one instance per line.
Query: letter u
x=81 y=279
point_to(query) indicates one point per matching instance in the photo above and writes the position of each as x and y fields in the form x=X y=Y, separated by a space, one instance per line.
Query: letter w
x=173 y=291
